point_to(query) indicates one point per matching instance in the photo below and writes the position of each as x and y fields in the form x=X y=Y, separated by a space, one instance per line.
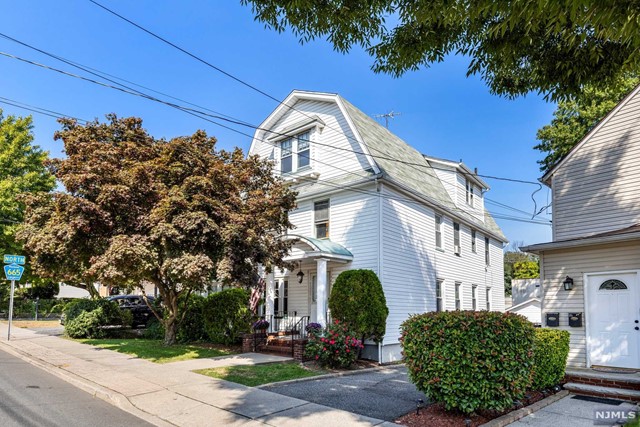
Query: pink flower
x=332 y=342
x=324 y=349
x=317 y=357
x=348 y=351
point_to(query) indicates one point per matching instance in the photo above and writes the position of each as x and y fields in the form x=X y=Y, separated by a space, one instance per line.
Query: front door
x=613 y=320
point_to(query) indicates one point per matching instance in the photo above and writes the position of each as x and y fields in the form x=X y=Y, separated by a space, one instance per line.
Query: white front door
x=613 y=319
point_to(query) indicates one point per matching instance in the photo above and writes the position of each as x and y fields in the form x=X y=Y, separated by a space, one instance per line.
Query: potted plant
x=313 y=328
x=260 y=325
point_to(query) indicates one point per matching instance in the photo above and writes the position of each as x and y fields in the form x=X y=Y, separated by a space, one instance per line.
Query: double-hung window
x=456 y=238
x=487 y=259
x=295 y=153
x=469 y=188
x=439 y=231
x=439 y=295
x=474 y=297
x=473 y=241
x=458 y=287
x=488 y=296
x=321 y=219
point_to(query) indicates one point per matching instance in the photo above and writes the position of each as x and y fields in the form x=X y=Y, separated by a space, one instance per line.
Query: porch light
x=568 y=283
x=300 y=276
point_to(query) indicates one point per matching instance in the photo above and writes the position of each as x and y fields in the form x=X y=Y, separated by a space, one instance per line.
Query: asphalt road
x=30 y=396
x=384 y=394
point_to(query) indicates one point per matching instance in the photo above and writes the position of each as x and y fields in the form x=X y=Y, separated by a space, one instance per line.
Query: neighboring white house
x=591 y=269
x=368 y=200
x=526 y=294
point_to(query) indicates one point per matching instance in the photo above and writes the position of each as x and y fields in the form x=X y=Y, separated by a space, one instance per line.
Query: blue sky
x=444 y=113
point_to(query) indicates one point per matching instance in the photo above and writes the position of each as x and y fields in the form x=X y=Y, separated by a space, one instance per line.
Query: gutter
x=580 y=242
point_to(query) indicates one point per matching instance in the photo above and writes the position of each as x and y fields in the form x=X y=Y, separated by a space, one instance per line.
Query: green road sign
x=15 y=259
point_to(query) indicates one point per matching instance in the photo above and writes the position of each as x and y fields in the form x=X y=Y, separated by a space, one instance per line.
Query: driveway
x=384 y=394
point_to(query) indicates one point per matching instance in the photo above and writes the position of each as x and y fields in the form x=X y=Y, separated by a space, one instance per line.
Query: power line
x=37 y=110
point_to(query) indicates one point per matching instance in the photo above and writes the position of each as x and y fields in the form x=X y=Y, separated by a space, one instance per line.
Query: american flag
x=256 y=294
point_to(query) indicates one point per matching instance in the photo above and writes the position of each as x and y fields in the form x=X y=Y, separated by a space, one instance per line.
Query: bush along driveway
x=384 y=393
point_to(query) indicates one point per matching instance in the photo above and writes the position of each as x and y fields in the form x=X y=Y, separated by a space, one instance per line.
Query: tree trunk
x=171 y=322
x=93 y=292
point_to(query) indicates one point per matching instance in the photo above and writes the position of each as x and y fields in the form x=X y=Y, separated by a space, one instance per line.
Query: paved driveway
x=384 y=394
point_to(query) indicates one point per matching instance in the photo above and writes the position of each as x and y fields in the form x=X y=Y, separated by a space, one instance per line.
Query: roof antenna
x=390 y=115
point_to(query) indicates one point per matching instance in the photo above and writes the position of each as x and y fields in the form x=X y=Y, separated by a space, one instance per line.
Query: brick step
x=279 y=349
x=623 y=381
x=602 y=391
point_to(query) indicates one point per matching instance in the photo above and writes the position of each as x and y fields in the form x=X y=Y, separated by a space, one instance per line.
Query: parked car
x=136 y=305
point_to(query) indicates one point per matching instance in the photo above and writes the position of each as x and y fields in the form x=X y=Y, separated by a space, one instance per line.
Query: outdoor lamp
x=568 y=283
x=300 y=276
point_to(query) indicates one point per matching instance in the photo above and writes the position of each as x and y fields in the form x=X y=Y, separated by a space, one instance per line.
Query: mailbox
x=553 y=319
x=575 y=320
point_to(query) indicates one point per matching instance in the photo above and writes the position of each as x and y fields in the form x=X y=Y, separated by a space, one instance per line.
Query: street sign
x=13 y=271
x=15 y=259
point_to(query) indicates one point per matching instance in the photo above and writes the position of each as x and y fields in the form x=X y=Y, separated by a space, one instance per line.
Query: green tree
x=550 y=46
x=22 y=170
x=576 y=116
x=526 y=270
x=514 y=256
x=177 y=214
x=357 y=298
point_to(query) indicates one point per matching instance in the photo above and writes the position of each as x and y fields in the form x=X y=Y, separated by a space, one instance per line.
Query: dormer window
x=295 y=153
x=469 y=188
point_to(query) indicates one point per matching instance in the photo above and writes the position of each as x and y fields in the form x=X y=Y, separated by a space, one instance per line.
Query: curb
x=521 y=413
x=110 y=396
x=322 y=376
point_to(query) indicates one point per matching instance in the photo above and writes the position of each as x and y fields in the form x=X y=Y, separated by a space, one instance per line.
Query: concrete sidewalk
x=170 y=394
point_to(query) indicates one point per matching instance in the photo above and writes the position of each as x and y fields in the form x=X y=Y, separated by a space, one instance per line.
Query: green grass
x=254 y=375
x=155 y=351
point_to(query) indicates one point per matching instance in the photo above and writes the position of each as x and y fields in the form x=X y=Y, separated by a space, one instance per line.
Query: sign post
x=13 y=272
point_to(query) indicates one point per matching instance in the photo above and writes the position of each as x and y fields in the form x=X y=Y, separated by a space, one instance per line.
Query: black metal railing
x=282 y=321
x=287 y=324
x=298 y=331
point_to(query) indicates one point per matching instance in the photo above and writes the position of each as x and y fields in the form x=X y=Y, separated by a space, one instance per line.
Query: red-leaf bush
x=469 y=360
x=336 y=347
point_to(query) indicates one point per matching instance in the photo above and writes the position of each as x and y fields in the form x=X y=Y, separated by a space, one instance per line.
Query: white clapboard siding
x=597 y=188
x=574 y=263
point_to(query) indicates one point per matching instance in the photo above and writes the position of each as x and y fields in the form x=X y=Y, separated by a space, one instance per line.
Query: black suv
x=136 y=305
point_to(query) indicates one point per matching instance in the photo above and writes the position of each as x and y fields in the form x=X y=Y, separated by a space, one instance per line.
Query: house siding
x=576 y=262
x=596 y=189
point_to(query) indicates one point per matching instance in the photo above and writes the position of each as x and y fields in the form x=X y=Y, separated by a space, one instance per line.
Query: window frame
x=457 y=249
x=295 y=151
x=488 y=296
x=474 y=245
x=317 y=222
x=439 y=225
x=474 y=297
x=440 y=297
x=487 y=253
x=469 y=193
x=458 y=295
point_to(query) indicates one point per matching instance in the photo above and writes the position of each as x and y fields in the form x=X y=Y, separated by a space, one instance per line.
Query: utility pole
x=390 y=115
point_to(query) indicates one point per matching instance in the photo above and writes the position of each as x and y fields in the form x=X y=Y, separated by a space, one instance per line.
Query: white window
x=321 y=219
x=488 y=291
x=474 y=297
x=295 y=153
x=456 y=238
x=439 y=295
x=439 y=231
x=487 y=259
x=458 y=292
x=469 y=188
x=473 y=241
x=281 y=298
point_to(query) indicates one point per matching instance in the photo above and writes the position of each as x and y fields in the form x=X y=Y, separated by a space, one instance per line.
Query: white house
x=526 y=299
x=591 y=270
x=368 y=200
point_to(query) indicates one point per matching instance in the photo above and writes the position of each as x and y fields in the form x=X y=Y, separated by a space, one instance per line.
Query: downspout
x=380 y=252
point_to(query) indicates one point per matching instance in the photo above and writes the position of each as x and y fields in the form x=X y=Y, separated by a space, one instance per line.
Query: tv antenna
x=390 y=115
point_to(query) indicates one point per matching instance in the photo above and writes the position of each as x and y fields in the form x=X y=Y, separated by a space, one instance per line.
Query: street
x=32 y=397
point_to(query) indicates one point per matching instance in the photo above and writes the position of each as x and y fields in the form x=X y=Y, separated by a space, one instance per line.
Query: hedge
x=469 y=360
x=550 y=352
x=227 y=316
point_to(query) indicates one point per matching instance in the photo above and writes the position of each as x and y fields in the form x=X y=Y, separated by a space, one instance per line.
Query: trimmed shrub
x=227 y=316
x=337 y=347
x=469 y=360
x=357 y=298
x=87 y=324
x=550 y=352
x=154 y=330
x=191 y=328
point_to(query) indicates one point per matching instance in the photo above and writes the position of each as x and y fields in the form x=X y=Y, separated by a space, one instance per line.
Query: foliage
x=41 y=289
x=96 y=313
x=22 y=170
x=576 y=116
x=154 y=330
x=255 y=375
x=156 y=351
x=526 y=270
x=357 y=298
x=177 y=214
x=227 y=315
x=260 y=325
x=513 y=255
x=88 y=324
x=338 y=347
x=313 y=328
x=26 y=308
x=191 y=328
x=553 y=47
x=550 y=352
x=469 y=360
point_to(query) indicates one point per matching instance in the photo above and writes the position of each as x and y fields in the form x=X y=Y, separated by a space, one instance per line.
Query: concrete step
x=603 y=391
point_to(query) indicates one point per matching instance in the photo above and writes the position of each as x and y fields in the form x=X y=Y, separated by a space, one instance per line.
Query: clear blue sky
x=444 y=113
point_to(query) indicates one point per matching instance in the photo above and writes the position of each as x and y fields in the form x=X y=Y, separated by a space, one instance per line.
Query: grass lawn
x=155 y=351
x=254 y=375
x=32 y=324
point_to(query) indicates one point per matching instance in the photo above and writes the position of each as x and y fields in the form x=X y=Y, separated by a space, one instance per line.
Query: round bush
x=550 y=352
x=469 y=360
x=357 y=298
x=337 y=347
x=191 y=327
x=227 y=316
x=87 y=324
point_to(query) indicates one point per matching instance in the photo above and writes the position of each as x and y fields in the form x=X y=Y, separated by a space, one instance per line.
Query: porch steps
x=276 y=344
x=615 y=385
